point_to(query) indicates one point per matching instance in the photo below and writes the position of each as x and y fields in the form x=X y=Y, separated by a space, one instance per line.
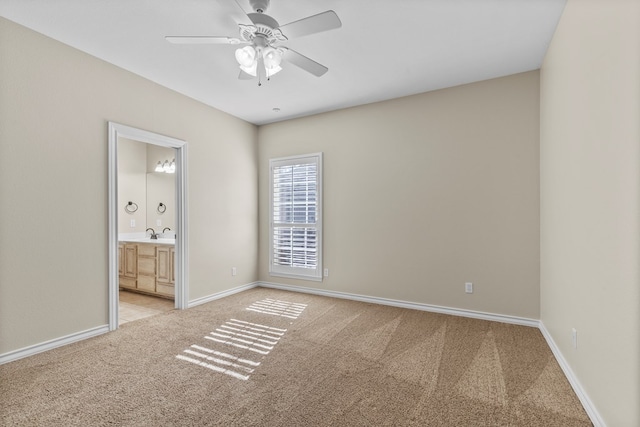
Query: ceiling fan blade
x=202 y=40
x=313 y=24
x=303 y=62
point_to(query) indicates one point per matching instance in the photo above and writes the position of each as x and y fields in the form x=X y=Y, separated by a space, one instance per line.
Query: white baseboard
x=51 y=344
x=213 y=297
x=523 y=321
x=588 y=405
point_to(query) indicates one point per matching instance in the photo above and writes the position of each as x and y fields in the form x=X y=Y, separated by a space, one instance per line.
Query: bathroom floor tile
x=134 y=306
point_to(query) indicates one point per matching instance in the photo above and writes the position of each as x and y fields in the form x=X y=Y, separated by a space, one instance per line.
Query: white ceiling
x=385 y=49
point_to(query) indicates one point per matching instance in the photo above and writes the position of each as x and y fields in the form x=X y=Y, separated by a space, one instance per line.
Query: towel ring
x=162 y=208
x=131 y=207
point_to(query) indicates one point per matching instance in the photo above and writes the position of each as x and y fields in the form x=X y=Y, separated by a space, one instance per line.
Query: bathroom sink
x=159 y=240
x=163 y=240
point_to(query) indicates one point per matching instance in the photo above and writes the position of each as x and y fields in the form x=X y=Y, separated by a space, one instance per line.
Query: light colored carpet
x=274 y=358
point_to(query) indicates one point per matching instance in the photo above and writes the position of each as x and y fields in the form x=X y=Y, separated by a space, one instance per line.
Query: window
x=296 y=217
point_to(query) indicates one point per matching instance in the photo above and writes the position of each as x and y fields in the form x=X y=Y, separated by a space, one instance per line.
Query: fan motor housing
x=266 y=26
x=259 y=6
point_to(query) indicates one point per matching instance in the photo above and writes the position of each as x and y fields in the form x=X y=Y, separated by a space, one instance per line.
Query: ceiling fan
x=262 y=35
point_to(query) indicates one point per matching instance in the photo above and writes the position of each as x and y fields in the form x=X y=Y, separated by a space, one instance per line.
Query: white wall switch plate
x=574 y=338
x=468 y=287
x=233 y=271
x=159 y=222
x=326 y=272
x=133 y=223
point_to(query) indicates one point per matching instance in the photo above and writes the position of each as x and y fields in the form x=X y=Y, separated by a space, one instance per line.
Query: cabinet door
x=163 y=265
x=120 y=260
x=172 y=264
x=130 y=268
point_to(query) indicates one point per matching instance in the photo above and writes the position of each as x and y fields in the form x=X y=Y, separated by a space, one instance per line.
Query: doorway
x=119 y=131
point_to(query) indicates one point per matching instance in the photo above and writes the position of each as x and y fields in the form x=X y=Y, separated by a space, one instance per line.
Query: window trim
x=297 y=272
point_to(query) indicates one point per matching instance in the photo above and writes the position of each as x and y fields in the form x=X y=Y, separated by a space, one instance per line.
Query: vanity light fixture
x=166 y=167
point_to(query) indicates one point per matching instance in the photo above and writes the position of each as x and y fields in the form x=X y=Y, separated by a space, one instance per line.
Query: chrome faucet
x=165 y=229
x=154 y=235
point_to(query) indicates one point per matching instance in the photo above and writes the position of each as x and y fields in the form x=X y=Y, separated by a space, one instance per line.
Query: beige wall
x=425 y=193
x=590 y=179
x=55 y=103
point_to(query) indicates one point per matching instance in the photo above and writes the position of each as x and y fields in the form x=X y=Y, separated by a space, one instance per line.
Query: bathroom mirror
x=161 y=203
x=161 y=191
x=153 y=192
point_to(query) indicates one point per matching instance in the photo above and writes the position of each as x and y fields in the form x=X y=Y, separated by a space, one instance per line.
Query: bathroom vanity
x=147 y=267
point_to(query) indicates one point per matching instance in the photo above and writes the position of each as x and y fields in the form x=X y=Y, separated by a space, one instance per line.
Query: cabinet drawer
x=147 y=283
x=168 y=290
x=147 y=267
x=146 y=250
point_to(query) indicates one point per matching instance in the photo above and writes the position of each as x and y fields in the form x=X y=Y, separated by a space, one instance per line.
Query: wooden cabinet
x=172 y=260
x=128 y=264
x=120 y=259
x=164 y=268
x=147 y=268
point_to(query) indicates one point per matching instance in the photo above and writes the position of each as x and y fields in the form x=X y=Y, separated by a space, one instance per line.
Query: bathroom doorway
x=168 y=239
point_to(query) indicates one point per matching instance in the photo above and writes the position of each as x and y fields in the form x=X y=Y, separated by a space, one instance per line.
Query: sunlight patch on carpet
x=238 y=337
x=213 y=367
x=251 y=336
x=274 y=307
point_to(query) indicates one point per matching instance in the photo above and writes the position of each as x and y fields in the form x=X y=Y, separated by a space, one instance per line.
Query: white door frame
x=117 y=130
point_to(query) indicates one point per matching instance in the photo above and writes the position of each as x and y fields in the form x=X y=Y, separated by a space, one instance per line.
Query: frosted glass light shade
x=251 y=70
x=272 y=58
x=246 y=56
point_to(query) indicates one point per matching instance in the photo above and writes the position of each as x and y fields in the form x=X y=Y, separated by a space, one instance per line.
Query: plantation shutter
x=295 y=217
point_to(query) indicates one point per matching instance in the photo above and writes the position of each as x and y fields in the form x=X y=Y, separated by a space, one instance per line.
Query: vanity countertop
x=158 y=241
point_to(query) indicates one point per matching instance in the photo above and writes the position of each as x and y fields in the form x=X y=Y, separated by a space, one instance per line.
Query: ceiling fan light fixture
x=272 y=58
x=252 y=70
x=274 y=70
x=246 y=56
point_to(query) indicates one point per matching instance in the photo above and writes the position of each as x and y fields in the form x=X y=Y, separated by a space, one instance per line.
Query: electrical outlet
x=574 y=338
x=326 y=272
x=133 y=223
x=468 y=287
x=233 y=271
x=158 y=222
